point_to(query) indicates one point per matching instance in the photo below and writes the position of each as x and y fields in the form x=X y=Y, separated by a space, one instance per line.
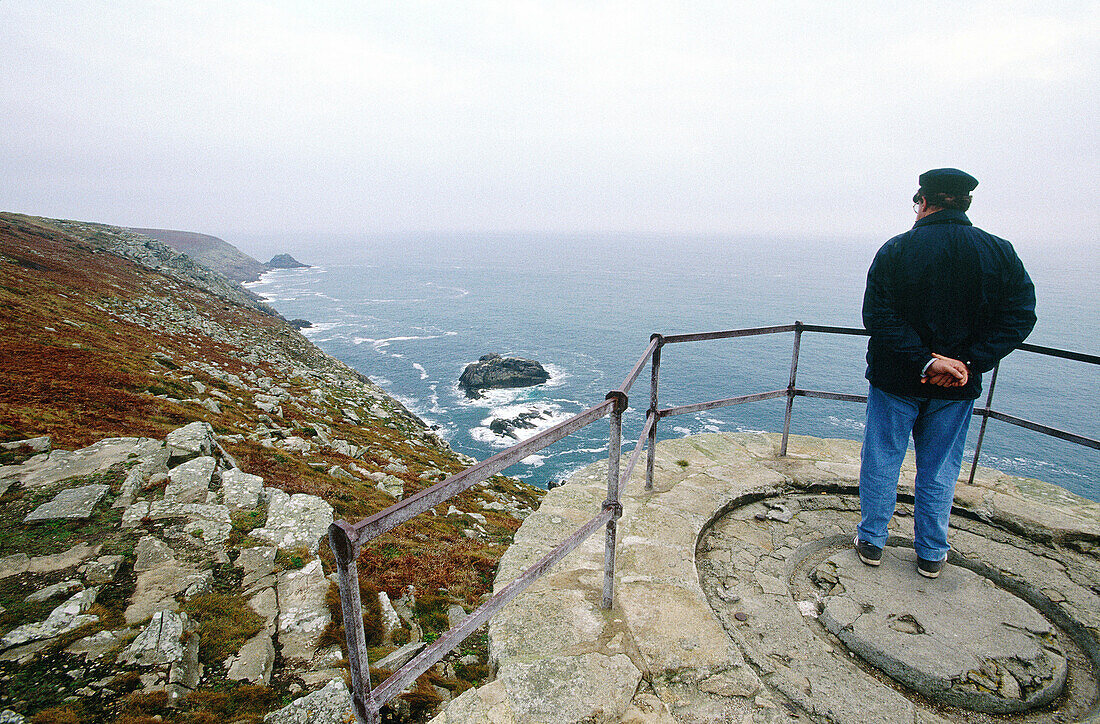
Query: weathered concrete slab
x=720 y=581
x=74 y=503
x=959 y=640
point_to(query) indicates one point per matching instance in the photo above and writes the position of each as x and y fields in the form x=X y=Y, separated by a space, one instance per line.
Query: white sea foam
x=845 y=423
x=420 y=368
x=459 y=291
x=380 y=344
x=549 y=415
x=535 y=461
x=320 y=328
x=558 y=375
x=683 y=431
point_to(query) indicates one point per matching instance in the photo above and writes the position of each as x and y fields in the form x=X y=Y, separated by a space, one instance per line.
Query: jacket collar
x=947 y=216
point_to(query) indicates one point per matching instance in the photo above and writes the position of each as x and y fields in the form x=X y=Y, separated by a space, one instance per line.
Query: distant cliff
x=210 y=251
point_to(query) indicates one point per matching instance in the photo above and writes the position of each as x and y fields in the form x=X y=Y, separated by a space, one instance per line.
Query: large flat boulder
x=47 y=469
x=295 y=520
x=303 y=612
x=72 y=504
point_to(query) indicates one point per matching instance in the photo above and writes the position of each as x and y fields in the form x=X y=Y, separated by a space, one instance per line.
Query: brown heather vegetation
x=71 y=370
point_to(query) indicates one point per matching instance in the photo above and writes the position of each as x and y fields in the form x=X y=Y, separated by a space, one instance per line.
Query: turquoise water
x=411 y=312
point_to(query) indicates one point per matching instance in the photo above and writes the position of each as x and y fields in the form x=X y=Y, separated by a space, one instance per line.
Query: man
x=945 y=301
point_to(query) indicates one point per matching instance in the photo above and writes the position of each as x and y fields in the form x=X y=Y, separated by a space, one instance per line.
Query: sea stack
x=285 y=261
x=495 y=371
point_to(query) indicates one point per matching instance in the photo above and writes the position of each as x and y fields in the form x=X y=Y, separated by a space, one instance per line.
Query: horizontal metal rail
x=842 y=396
x=435 y=651
x=1036 y=427
x=428 y=498
x=727 y=334
x=728 y=402
x=1063 y=353
x=858 y=331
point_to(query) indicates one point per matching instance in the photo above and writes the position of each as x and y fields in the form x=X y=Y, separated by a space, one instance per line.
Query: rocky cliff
x=211 y=252
x=172 y=452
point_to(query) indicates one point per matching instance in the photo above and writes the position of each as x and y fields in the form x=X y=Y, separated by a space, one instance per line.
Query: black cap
x=950 y=181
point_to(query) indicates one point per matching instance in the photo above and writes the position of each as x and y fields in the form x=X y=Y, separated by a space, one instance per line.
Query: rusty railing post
x=614 y=450
x=651 y=443
x=790 y=388
x=985 y=419
x=343 y=540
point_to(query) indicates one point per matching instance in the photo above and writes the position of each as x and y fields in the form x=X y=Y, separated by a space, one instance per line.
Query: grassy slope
x=79 y=333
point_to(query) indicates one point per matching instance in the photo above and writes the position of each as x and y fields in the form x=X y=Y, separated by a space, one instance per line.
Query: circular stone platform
x=958 y=640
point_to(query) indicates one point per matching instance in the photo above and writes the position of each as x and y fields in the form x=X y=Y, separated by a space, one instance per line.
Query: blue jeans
x=939 y=435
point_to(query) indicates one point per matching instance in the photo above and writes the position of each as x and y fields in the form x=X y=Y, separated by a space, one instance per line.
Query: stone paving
x=738 y=599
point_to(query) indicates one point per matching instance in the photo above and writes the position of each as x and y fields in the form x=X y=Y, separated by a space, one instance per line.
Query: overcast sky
x=254 y=117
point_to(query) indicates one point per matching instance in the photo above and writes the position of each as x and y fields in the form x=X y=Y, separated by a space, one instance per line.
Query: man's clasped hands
x=946 y=372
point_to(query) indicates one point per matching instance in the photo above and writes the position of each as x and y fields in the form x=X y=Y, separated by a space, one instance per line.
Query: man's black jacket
x=948 y=287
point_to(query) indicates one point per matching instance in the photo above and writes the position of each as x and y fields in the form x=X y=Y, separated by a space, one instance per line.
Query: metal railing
x=347 y=539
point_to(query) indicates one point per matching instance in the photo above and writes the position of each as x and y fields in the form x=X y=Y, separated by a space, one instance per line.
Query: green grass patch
x=431 y=613
x=293 y=559
x=225 y=623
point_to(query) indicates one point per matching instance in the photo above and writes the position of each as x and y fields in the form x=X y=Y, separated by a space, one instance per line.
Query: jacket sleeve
x=1011 y=322
x=889 y=331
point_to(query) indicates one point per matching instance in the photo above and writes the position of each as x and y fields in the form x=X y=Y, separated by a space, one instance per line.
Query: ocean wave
x=845 y=423
x=535 y=461
x=420 y=368
x=319 y=327
x=380 y=344
x=459 y=291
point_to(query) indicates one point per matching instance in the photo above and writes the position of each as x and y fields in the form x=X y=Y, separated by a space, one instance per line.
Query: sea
x=411 y=311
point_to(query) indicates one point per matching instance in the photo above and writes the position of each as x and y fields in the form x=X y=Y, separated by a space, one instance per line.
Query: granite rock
x=328 y=705
x=303 y=612
x=192 y=440
x=73 y=503
x=189 y=482
x=295 y=520
x=66 y=617
x=241 y=490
